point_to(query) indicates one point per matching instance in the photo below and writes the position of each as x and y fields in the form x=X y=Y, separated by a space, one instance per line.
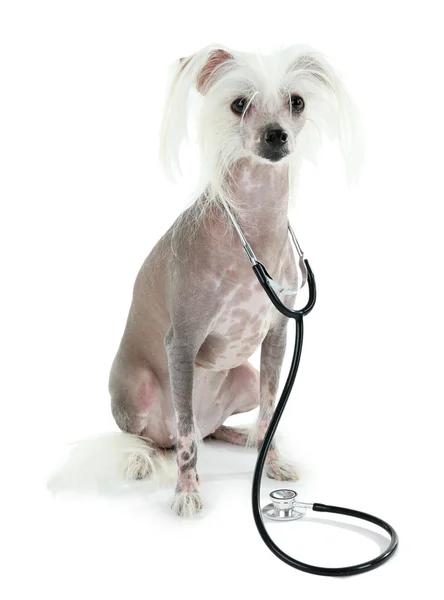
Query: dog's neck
x=262 y=192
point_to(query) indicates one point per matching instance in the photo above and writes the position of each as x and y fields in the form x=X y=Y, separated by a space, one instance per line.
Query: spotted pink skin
x=187 y=456
x=194 y=323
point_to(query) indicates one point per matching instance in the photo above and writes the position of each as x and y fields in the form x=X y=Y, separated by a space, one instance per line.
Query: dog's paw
x=187 y=504
x=281 y=470
x=138 y=466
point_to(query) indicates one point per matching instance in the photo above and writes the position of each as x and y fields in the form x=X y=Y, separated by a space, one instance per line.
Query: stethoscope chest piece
x=282 y=506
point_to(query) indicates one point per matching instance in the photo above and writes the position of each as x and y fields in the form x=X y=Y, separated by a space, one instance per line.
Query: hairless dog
x=198 y=313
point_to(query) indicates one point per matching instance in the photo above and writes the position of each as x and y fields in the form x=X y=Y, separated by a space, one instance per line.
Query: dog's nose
x=276 y=138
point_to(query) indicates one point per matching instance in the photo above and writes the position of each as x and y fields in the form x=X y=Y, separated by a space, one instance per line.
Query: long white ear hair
x=190 y=75
x=329 y=107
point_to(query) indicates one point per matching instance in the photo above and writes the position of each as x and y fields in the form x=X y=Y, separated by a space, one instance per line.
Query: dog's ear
x=217 y=62
x=329 y=104
x=200 y=72
x=312 y=66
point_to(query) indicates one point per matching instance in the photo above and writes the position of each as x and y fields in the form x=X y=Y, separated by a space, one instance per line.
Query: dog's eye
x=238 y=106
x=297 y=104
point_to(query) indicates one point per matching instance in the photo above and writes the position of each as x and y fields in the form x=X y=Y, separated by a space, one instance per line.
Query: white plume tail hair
x=108 y=462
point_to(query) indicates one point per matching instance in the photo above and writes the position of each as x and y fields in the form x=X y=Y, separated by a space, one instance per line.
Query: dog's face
x=257 y=105
x=268 y=130
x=267 y=108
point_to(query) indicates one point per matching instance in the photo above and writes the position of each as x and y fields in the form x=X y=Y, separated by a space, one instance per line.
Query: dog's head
x=265 y=108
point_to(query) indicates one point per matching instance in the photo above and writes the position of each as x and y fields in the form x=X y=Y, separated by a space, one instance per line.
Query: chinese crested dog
x=198 y=312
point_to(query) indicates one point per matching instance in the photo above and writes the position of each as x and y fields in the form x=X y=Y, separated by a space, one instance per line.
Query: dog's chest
x=239 y=326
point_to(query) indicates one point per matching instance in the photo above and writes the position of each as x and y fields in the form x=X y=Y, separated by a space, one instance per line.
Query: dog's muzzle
x=274 y=143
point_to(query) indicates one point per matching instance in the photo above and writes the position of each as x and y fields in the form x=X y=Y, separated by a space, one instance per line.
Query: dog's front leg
x=181 y=356
x=272 y=356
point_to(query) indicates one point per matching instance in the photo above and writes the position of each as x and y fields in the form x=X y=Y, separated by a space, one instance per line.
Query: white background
x=83 y=201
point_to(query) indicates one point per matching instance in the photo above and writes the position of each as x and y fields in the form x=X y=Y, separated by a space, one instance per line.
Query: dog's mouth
x=274 y=155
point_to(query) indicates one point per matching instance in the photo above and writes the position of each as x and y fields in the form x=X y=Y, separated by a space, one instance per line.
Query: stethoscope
x=284 y=504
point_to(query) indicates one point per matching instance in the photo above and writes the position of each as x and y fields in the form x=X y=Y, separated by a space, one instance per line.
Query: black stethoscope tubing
x=264 y=278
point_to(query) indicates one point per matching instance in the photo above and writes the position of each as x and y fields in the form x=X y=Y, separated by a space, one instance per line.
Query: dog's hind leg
x=131 y=401
x=232 y=435
x=241 y=393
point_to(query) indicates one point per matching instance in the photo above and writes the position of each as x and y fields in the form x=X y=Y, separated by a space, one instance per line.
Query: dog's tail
x=108 y=462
